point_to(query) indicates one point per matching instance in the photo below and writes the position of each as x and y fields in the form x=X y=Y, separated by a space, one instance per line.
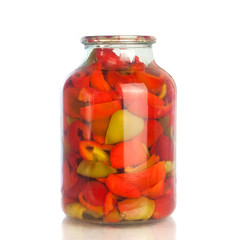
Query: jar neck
x=126 y=51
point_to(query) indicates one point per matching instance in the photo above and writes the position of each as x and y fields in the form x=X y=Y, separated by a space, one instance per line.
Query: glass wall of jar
x=118 y=134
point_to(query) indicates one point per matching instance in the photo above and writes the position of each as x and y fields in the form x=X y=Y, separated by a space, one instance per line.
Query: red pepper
x=109 y=203
x=74 y=159
x=153 y=83
x=151 y=132
x=114 y=78
x=71 y=104
x=70 y=178
x=94 y=96
x=149 y=111
x=120 y=187
x=76 y=132
x=164 y=148
x=108 y=59
x=80 y=80
x=95 y=211
x=74 y=192
x=128 y=153
x=141 y=102
x=146 y=178
x=72 y=183
x=65 y=123
x=99 y=111
x=97 y=80
x=66 y=201
x=86 y=147
x=164 y=206
x=94 y=192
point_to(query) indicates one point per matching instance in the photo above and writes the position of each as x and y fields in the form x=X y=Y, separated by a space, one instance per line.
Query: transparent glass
x=119 y=134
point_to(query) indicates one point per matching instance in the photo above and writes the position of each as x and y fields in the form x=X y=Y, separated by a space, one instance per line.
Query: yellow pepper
x=75 y=210
x=123 y=126
x=136 y=209
x=94 y=169
x=163 y=91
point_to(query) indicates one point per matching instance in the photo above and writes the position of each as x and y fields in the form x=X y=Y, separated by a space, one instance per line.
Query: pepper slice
x=76 y=132
x=99 y=111
x=136 y=209
x=109 y=203
x=93 y=96
x=113 y=216
x=94 y=169
x=123 y=126
x=150 y=162
x=164 y=148
x=71 y=104
x=151 y=132
x=94 y=193
x=97 y=80
x=153 y=83
x=128 y=154
x=114 y=78
x=120 y=187
x=146 y=178
x=80 y=80
x=92 y=151
x=108 y=59
x=99 y=129
x=164 y=206
x=95 y=211
x=75 y=210
x=156 y=191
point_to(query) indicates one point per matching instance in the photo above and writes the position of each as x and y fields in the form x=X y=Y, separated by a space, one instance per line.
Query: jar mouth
x=118 y=39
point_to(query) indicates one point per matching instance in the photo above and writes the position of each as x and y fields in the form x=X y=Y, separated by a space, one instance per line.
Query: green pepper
x=94 y=169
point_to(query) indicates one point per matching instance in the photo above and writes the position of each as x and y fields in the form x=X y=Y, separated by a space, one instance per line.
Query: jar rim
x=118 y=39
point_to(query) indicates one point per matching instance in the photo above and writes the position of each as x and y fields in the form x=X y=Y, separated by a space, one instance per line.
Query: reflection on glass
x=162 y=230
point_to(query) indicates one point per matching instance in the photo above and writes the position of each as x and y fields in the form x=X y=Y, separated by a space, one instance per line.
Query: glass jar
x=119 y=134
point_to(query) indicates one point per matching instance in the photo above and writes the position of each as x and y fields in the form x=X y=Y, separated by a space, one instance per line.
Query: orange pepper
x=156 y=191
x=97 y=80
x=102 y=180
x=100 y=110
x=153 y=83
x=99 y=139
x=128 y=153
x=146 y=178
x=150 y=162
x=113 y=216
x=86 y=151
x=99 y=129
x=120 y=187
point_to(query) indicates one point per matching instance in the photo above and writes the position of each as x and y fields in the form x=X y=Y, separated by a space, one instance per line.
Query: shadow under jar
x=118 y=162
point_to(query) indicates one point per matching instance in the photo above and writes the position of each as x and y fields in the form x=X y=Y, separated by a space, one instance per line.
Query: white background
x=198 y=44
